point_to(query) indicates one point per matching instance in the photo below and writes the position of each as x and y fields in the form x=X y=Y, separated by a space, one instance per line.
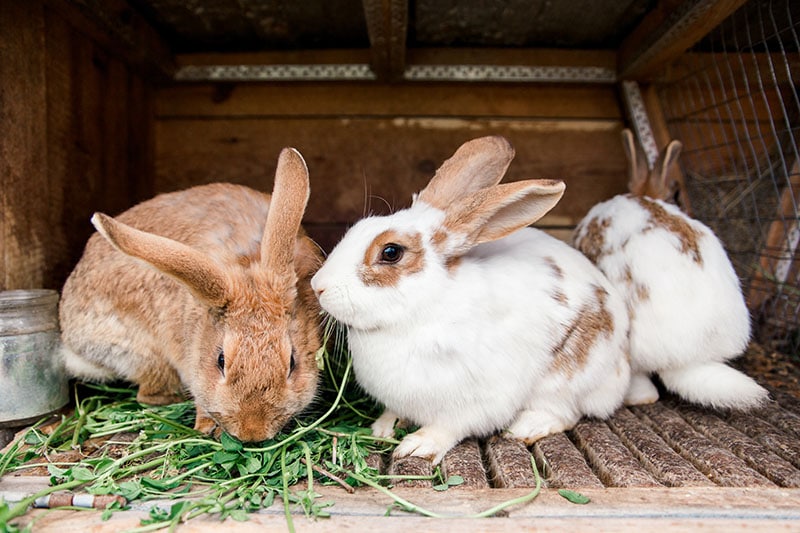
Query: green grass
x=169 y=460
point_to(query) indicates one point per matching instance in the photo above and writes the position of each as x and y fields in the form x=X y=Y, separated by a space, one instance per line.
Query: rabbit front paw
x=383 y=427
x=532 y=425
x=428 y=442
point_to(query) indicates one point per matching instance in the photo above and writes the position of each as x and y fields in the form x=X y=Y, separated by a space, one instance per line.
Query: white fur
x=468 y=352
x=693 y=315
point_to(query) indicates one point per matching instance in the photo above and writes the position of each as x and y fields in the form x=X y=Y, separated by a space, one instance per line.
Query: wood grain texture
x=654 y=453
x=24 y=185
x=364 y=165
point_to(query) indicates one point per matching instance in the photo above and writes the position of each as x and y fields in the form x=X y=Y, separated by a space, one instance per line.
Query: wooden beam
x=119 y=29
x=387 y=25
x=667 y=31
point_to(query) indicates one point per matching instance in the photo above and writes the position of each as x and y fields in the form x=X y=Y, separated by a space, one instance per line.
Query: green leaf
x=238 y=515
x=80 y=473
x=574 y=497
x=441 y=488
x=230 y=444
x=55 y=471
x=222 y=458
x=454 y=481
x=130 y=490
x=160 y=484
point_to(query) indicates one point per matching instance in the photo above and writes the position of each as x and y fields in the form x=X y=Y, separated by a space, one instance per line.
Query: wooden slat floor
x=669 y=463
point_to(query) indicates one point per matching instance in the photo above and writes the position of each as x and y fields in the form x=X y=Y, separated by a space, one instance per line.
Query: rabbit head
x=643 y=181
x=386 y=267
x=251 y=331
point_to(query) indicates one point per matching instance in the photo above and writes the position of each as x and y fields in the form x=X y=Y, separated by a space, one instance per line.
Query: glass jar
x=32 y=377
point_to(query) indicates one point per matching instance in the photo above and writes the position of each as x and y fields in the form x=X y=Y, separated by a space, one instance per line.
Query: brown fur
x=593 y=321
x=160 y=320
x=593 y=242
x=374 y=272
x=688 y=237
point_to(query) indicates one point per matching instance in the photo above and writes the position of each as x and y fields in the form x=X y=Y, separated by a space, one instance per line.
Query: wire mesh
x=733 y=102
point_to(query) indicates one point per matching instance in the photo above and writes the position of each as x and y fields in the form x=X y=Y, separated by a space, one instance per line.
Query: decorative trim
x=510 y=73
x=275 y=72
x=360 y=72
x=641 y=124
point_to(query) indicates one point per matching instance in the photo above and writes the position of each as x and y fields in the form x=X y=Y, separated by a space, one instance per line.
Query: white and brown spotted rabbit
x=687 y=312
x=464 y=322
x=209 y=294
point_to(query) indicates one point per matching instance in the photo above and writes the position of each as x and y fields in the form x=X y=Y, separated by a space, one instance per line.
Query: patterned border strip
x=640 y=122
x=274 y=72
x=333 y=72
x=510 y=73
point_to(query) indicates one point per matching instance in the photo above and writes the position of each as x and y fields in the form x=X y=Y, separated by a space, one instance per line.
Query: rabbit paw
x=531 y=426
x=428 y=442
x=383 y=427
x=205 y=424
x=641 y=391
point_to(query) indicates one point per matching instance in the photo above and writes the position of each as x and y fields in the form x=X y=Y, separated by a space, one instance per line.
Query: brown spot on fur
x=593 y=320
x=558 y=295
x=593 y=241
x=557 y=270
x=377 y=272
x=687 y=236
x=452 y=264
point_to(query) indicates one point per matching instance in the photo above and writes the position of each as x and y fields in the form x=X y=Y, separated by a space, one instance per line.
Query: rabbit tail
x=714 y=385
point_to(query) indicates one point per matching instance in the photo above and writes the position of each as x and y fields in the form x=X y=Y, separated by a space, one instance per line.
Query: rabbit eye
x=292 y=362
x=221 y=362
x=391 y=253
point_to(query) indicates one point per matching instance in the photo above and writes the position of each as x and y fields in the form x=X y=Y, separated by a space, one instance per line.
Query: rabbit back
x=683 y=295
x=120 y=317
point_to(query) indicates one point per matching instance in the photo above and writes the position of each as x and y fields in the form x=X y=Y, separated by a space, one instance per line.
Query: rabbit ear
x=492 y=213
x=198 y=272
x=638 y=172
x=660 y=185
x=477 y=164
x=289 y=198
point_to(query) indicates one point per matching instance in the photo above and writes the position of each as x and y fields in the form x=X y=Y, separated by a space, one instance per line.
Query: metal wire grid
x=733 y=102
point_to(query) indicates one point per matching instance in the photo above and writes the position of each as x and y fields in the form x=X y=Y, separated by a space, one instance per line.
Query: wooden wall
x=75 y=137
x=370 y=146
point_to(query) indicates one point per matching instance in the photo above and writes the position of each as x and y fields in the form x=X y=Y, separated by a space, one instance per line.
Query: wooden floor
x=668 y=465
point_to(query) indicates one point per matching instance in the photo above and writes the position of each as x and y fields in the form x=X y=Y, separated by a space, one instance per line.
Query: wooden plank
x=363 y=165
x=775 y=468
x=410 y=467
x=668 y=30
x=293 y=100
x=387 y=26
x=465 y=460
x=122 y=31
x=718 y=463
x=767 y=435
x=610 y=458
x=24 y=190
x=509 y=463
x=563 y=465
x=657 y=456
x=624 y=510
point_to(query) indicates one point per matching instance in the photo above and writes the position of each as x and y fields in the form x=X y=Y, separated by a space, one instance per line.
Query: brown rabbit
x=209 y=295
